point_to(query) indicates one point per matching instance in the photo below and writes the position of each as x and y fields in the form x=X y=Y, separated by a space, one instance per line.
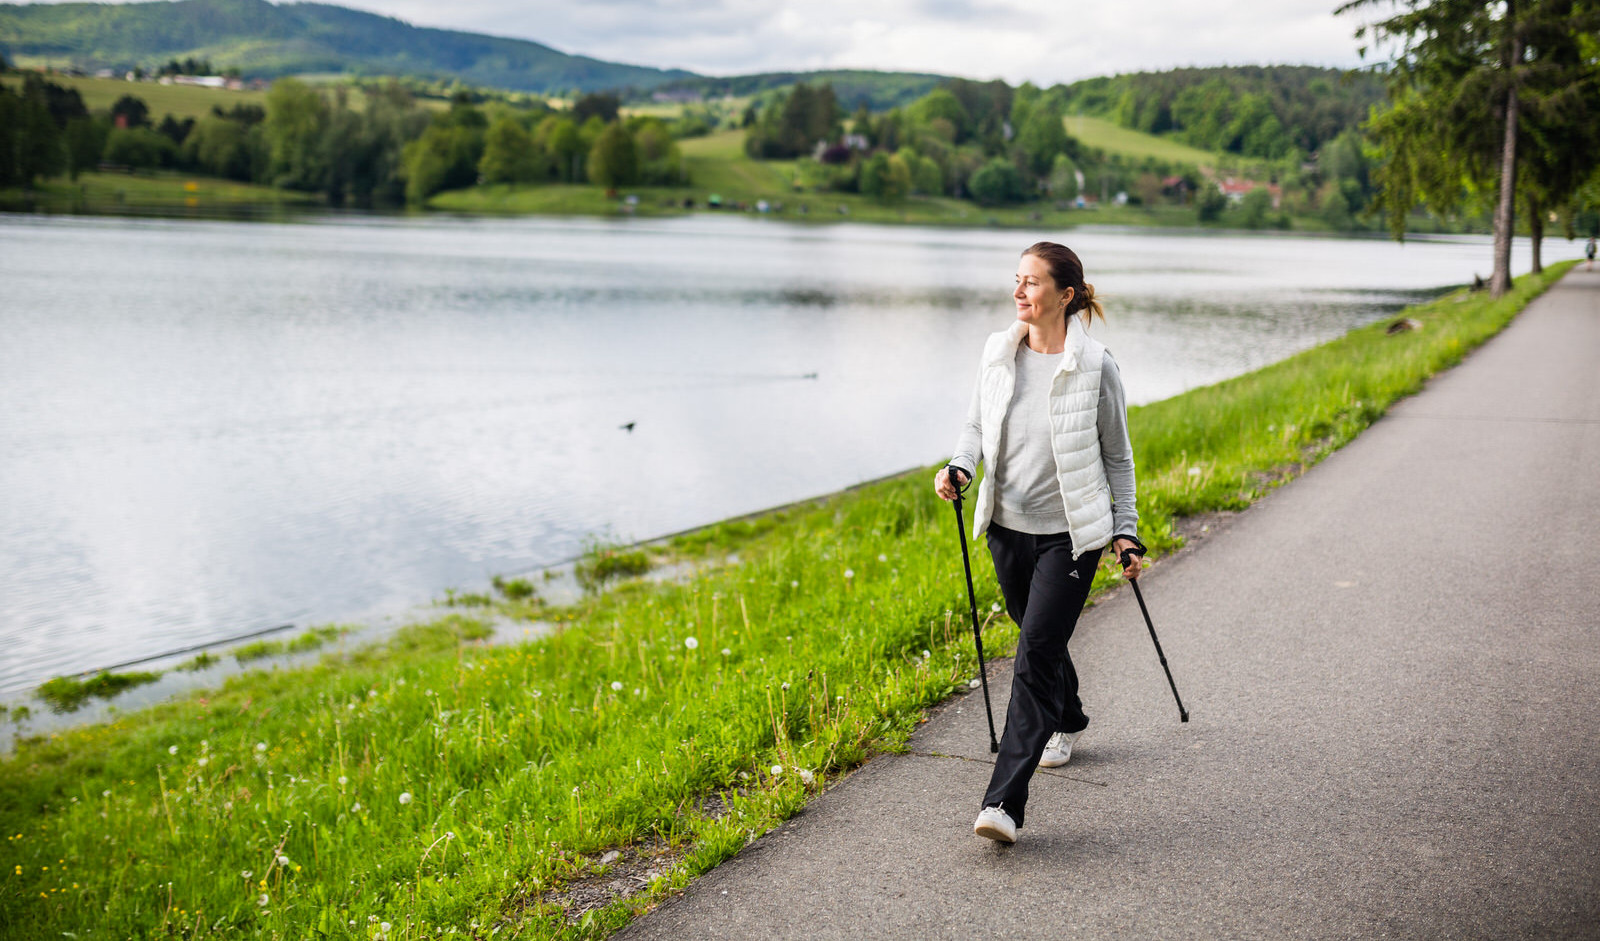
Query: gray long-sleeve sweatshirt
x=1027 y=495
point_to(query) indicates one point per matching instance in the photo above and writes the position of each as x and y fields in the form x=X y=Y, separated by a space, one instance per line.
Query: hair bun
x=1091 y=305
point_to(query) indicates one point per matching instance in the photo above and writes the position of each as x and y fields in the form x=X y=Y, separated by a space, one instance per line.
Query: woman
x=1048 y=419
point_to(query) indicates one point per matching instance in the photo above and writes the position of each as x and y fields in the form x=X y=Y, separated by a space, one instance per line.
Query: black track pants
x=1045 y=590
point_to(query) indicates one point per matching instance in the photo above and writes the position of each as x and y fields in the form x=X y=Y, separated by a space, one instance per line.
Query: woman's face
x=1038 y=300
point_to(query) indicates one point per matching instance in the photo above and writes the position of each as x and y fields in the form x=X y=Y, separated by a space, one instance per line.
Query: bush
x=996 y=182
x=140 y=148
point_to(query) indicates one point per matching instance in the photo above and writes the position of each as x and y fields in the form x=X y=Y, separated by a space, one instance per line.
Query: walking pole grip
x=1127 y=558
x=972 y=600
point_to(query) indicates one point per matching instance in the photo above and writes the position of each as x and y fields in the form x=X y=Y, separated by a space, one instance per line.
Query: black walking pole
x=972 y=601
x=1127 y=560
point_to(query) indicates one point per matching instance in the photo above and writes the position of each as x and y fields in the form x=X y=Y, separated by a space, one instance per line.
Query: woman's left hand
x=1132 y=570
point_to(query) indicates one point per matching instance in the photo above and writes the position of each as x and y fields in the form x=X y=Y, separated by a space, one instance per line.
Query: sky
x=1017 y=40
x=1041 y=42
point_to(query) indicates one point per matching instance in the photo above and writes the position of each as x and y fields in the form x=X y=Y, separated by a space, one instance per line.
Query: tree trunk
x=1504 y=214
x=1535 y=231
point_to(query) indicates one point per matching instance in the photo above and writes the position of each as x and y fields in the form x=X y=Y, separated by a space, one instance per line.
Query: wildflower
x=405 y=797
x=726 y=652
x=691 y=642
x=806 y=777
x=172 y=750
x=882 y=557
x=105 y=793
x=786 y=686
x=537 y=694
x=372 y=919
x=356 y=807
x=926 y=655
x=849 y=573
x=777 y=770
x=203 y=762
x=636 y=690
x=449 y=834
x=261 y=747
x=262 y=900
x=794 y=584
x=616 y=686
x=343 y=780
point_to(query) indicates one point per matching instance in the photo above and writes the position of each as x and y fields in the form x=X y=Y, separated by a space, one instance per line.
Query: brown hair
x=1067 y=272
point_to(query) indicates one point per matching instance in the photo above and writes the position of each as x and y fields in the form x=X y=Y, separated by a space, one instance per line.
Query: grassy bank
x=433 y=785
x=159 y=192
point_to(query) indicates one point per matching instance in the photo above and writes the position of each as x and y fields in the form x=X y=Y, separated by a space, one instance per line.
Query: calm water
x=210 y=428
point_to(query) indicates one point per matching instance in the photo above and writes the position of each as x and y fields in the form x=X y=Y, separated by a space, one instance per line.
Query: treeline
x=1265 y=112
x=383 y=150
x=996 y=144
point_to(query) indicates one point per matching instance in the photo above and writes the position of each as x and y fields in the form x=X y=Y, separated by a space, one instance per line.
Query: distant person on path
x=1049 y=420
x=1588 y=252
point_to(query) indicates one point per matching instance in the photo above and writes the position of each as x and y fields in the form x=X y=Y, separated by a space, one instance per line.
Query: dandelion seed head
x=262 y=900
x=882 y=557
x=691 y=642
x=173 y=750
x=806 y=777
x=616 y=686
x=246 y=873
x=203 y=762
x=777 y=770
x=405 y=797
x=1194 y=472
x=849 y=573
x=449 y=834
x=261 y=747
x=975 y=684
x=105 y=793
x=356 y=807
x=343 y=780
x=785 y=686
x=995 y=607
x=385 y=927
x=283 y=860
x=926 y=654
x=726 y=652
x=794 y=584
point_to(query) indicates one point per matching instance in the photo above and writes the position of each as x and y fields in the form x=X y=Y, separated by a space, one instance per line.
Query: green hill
x=879 y=91
x=266 y=40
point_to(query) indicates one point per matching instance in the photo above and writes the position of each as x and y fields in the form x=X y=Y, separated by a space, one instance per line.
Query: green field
x=155 y=192
x=1115 y=139
x=180 y=101
x=433 y=785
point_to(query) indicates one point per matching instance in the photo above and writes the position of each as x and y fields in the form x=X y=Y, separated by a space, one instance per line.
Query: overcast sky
x=1038 y=41
x=1042 y=42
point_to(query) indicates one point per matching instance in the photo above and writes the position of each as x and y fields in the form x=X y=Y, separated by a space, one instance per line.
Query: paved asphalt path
x=1391 y=667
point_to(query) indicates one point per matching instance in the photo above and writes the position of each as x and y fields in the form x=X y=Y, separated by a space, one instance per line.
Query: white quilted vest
x=1074 y=437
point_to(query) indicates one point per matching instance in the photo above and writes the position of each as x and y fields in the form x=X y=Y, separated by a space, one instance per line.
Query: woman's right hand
x=944 y=487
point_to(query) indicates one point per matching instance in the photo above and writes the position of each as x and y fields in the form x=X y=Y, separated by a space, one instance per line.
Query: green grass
x=1113 y=138
x=156 y=191
x=180 y=101
x=69 y=693
x=435 y=783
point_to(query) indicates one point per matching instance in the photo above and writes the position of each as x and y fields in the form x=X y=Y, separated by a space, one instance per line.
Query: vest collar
x=1077 y=336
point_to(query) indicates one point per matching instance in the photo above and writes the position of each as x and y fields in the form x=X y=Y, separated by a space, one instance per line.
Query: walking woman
x=1048 y=419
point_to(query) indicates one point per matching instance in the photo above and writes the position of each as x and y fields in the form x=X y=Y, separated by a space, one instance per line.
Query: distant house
x=1177 y=188
x=1236 y=189
x=204 y=81
x=679 y=96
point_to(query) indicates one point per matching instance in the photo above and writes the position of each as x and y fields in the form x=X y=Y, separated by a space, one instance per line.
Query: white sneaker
x=1058 y=751
x=995 y=824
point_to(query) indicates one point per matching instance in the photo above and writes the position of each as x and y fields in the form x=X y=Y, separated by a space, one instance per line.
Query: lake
x=211 y=428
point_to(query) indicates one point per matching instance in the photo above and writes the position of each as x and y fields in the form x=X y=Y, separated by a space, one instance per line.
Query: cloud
x=1044 y=43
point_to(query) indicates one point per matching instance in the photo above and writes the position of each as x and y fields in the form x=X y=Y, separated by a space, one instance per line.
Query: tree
x=1063 y=183
x=602 y=105
x=86 y=141
x=886 y=177
x=508 y=153
x=129 y=111
x=1041 y=138
x=1209 y=203
x=1465 y=73
x=296 y=119
x=614 y=158
x=139 y=147
x=558 y=139
x=996 y=182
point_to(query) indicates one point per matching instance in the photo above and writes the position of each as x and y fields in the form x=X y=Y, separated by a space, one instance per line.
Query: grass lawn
x=157 y=191
x=432 y=785
x=1115 y=139
x=181 y=101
